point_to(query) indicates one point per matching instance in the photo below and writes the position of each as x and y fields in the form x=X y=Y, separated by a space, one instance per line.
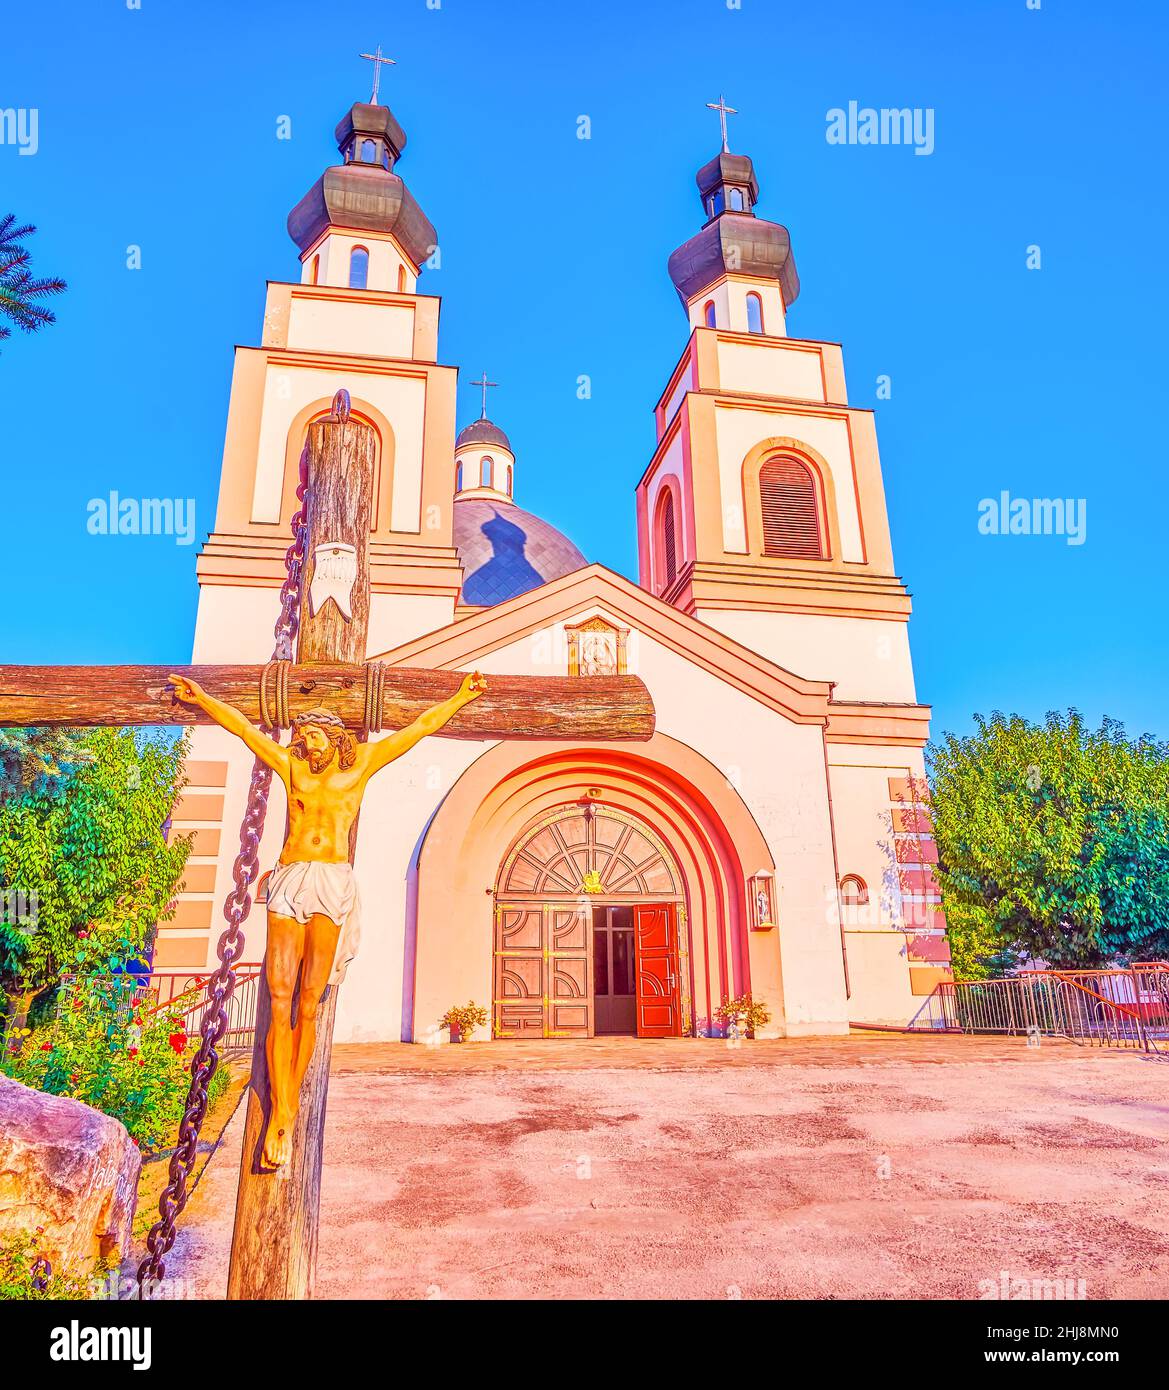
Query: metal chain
x=221 y=985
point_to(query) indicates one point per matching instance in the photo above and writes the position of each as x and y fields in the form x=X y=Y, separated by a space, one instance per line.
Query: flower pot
x=456 y=1033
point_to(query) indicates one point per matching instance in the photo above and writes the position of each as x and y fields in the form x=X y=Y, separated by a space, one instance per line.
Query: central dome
x=506 y=551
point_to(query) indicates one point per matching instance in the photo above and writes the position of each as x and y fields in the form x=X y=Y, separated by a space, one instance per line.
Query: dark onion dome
x=506 y=551
x=734 y=241
x=364 y=194
x=483 y=432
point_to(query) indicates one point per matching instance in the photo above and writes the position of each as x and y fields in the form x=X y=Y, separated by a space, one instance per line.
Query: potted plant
x=742 y=1016
x=462 y=1020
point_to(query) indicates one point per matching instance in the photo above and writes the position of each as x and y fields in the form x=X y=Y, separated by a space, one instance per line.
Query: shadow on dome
x=508 y=572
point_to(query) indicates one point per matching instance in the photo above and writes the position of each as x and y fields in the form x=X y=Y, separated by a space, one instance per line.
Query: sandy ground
x=867 y=1167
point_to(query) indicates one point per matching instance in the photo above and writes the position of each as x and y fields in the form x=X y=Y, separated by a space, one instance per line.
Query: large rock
x=70 y=1169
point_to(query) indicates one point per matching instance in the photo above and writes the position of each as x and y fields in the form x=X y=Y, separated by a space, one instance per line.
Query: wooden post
x=274 y=1246
x=340 y=505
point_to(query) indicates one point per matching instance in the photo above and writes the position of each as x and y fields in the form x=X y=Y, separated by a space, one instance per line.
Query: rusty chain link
x=221 y=985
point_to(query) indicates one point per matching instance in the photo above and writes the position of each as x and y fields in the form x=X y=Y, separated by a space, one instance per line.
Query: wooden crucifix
x=328 y=694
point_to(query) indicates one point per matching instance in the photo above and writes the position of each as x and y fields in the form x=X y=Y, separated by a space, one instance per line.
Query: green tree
x=20 y=292
x=1053 y=842
x=85 y=873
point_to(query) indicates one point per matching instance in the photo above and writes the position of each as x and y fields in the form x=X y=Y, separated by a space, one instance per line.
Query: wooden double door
x=579 y=969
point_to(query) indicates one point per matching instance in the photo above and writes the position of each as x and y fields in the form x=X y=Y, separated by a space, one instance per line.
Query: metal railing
x=182 y=993
x=191 y=997
x=1108 y=1008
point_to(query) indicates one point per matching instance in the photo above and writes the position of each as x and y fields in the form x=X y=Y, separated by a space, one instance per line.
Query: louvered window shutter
x=669 y=540
x=791 y=518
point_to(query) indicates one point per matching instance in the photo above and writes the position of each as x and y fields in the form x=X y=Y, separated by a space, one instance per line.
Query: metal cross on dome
x=377 y=60
x=723 y=112
x=484 y=383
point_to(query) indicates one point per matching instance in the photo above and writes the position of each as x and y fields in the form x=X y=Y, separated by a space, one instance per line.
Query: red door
x=655 y=930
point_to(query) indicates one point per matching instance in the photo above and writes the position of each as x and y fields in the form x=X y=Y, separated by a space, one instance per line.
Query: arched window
x=853 y=891
x=667 y=539
x=509 y=479
x=459 y=476
x=314 y=270
x=368 y=152
x=708 y=313
x=736 y=199
x=358 y=268
x=485 y=470
x=788 y=498
x=401 y=279
x=754 y=313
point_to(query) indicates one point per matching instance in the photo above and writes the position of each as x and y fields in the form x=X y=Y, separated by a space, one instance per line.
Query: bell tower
x=357 y=320
x=762 y=510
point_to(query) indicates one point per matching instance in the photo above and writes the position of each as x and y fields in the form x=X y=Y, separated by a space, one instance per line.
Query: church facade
x=768 y=840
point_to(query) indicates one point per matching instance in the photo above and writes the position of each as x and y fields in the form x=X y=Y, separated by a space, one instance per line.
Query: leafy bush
x=465 y=1018
x=108 y=1049
x=24 y=1273
x=745 y=1013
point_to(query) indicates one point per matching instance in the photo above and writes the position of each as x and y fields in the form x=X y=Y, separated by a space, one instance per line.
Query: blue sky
x=157 y=128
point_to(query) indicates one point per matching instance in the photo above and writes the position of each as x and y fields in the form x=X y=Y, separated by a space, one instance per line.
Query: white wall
x=765 y=368
x=867 y=657
x=349 y=326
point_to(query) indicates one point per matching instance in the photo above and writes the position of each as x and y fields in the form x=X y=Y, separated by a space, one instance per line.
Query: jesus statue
x=312 y=894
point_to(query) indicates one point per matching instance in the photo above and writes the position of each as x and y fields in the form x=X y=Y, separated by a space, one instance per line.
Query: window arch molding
x=383 y=463
x=854 y=891
x=786 y=447
x=667 y=509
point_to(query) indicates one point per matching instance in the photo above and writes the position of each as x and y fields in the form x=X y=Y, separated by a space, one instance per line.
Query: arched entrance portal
x=590 y=930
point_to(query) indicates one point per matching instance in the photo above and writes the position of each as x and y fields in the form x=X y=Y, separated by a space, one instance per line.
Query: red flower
x=82 y=935
x=46 y=1047
x=132 y=1051
x=178 y=1041
x=73 y=1079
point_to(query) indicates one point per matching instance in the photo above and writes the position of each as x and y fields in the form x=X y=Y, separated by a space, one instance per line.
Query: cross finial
x=723 y=112
x=377 y=60
x=484 y=383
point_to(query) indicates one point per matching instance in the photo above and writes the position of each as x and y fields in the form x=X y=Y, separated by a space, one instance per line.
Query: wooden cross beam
x=548 y=707
x=275 y=1240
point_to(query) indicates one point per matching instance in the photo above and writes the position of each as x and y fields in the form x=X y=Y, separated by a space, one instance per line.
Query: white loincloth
x=298 y=890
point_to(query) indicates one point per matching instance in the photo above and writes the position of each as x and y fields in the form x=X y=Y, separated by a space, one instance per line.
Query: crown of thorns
x=324 y=718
